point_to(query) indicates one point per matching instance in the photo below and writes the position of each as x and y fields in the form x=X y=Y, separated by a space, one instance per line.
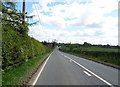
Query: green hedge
x=17 y=46
x=17 y=49
x=111 y=57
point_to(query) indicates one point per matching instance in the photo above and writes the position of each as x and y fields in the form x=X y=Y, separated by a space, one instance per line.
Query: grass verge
x=109 y=62
x=18 y=75
x=0 y=78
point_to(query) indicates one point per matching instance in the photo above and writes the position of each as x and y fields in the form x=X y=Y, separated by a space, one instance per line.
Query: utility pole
x=23 y=11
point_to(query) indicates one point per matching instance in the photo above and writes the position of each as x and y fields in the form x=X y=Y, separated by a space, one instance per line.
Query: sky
x=74 y=21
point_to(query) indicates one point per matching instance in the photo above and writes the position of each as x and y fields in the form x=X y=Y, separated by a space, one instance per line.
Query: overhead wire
x=37 y=7
x=37 y=11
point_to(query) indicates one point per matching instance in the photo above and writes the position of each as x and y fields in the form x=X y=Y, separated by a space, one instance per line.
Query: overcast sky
x=75 y=21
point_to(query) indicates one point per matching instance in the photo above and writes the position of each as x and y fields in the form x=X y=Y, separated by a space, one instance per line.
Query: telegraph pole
x=23 y=11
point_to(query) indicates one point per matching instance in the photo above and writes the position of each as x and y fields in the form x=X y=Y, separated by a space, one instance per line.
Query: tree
x=45 y=42
x=14 y=19
x=86 y=44
x=54 y=42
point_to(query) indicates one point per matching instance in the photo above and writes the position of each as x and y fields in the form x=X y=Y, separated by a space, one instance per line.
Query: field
x=92 y=48
x=107 y=55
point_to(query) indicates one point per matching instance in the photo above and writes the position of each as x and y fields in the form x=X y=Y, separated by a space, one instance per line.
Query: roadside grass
x=109 y=56
x=92 y=48
x=0 y=71
x=113 y=62
x=0 y=78
x=19 y=74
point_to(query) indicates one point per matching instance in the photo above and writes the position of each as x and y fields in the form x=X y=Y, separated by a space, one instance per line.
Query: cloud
x=94 y=36
x=76 y=21
x=94 y=25
x=85 y=14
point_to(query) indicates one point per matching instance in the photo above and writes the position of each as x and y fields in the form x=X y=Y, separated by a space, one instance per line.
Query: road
x=65 y=69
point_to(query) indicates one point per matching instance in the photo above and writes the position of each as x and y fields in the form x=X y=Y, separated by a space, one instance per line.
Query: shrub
x=17 y=49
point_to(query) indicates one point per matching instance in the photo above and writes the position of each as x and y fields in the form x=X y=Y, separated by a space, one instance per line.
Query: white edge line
x=41 y=70
x=87 y=73
x=91 y=72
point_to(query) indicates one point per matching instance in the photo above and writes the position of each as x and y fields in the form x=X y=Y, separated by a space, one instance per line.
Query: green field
x=92 y=48
x=107 y=55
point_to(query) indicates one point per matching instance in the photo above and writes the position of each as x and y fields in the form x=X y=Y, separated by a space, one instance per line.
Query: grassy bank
x=19 y=74
x=105 y=55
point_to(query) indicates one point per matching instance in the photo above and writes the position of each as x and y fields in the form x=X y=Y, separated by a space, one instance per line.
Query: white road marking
x=70 y=60
x=65 y=56
x=90 y=72
x=41 y=70
x=87 y=73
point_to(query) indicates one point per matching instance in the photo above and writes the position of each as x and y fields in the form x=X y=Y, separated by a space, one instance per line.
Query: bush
x=17 y=49
x=17 y=46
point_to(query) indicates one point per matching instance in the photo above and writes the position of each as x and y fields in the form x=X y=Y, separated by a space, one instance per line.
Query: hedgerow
x=17 y=46
x=106 y=56
x=17 y=49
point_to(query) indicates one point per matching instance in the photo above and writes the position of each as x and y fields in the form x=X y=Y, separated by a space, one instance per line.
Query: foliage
x=86 y=44
x=17 y=49
x=104 y=54
x=11 y=18
x=17 y=46
x=19 y=74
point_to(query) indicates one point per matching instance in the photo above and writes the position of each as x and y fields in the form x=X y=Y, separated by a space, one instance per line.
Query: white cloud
x=97 y=28
x=85 y=14
x=94 y=36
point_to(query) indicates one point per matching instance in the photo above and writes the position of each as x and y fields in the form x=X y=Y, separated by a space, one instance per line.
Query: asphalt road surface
x=65 y=69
